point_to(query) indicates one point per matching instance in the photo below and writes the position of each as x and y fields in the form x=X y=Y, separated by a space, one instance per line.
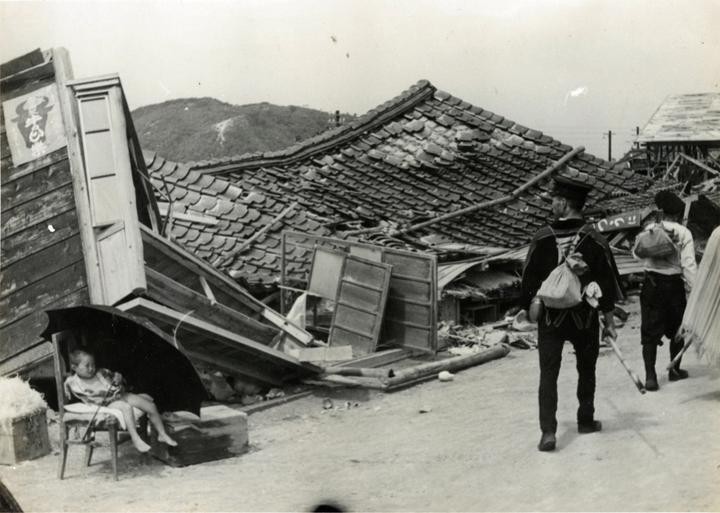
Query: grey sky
x=572 y=68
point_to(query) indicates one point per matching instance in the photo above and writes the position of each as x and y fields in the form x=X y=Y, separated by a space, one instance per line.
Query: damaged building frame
x=81 y=225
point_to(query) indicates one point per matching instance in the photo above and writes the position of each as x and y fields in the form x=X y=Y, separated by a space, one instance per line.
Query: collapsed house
x=81 y=225
x=425 y=172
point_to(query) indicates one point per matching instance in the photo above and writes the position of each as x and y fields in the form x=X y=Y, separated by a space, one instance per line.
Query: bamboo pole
x=456 y=363
x=485 y=204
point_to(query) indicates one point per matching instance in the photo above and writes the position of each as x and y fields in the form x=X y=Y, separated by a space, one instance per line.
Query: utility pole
x=609 y=145
x=637 y=136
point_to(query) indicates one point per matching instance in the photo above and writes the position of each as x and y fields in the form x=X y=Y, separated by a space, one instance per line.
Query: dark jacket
x=542 y=258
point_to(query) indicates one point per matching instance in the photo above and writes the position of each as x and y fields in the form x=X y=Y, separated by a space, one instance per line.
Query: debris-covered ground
x=464 y=445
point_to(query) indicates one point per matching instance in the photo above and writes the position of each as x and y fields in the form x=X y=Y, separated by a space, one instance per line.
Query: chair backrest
x=60 y=370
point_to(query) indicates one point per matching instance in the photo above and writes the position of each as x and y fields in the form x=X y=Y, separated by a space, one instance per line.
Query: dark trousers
x=662 y=305
x=586 y=342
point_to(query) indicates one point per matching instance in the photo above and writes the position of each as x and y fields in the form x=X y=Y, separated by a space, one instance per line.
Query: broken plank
x=322 y=354
x=231 y=365
x=380 y=358
x=155 y=311
x=175 y=295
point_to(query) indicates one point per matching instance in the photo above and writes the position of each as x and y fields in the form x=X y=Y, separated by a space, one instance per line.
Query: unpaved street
x=474 y=449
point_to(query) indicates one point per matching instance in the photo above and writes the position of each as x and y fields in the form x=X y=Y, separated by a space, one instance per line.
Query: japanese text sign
x=34 y=124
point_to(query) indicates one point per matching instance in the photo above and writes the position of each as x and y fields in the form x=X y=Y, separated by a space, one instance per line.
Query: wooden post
x=405 y=376
x=609 y=145
x=282 y=273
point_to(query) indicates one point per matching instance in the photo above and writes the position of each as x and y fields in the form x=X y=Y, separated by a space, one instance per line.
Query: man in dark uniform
x=580 y=324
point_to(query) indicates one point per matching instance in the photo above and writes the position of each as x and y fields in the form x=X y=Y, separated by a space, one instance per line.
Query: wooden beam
x=167 y=315
x=232 y=366
x=175 y=295
x=63 y=74
x=702 y=166
x=265 y=228
x=199 y=267
x=208 y=291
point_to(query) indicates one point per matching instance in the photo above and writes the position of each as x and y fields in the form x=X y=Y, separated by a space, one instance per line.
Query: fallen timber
x=390 y=379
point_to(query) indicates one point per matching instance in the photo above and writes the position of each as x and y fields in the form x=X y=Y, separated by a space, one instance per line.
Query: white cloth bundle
x=701 y=322
x=89 y=409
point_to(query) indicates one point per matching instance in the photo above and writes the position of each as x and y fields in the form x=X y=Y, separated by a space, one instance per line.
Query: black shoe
x=651 y=384
x=547 y=442
x=592 y=427
x=677 y=374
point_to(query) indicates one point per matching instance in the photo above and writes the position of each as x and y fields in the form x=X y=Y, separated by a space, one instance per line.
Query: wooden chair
x=88 y=423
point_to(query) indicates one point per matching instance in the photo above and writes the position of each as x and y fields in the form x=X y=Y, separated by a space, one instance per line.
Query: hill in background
x=192 y=129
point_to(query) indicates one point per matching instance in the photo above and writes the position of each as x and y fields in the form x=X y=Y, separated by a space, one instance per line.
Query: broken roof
x=214 y=218
x=420 y=155
x=684 y=117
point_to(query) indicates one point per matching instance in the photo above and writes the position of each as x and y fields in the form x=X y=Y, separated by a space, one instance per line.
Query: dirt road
x=474 y=449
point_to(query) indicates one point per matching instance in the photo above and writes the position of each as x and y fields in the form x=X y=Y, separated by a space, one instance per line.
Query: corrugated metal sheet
x=685 y=117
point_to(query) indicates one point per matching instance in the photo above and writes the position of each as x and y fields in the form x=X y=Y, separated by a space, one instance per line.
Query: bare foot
x=140 y=445
x=167 y=440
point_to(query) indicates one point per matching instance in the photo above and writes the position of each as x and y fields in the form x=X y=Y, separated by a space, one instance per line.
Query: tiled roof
x=422 y=154
x=685 y=117
x=639 y=200
x=213 y=218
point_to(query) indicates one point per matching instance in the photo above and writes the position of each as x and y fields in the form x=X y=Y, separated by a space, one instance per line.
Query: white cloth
x=82 y=408
x=701 y=322
x=678 y=263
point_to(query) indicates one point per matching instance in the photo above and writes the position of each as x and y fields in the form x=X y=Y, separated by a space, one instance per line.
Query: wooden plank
x=170 y=293
x=24 y=333
x=25 y=243
x=20 y=83
x=39 y=265
x=63 y=74
x=156 y=311
x=21 y=63
x=200 y=268
x=297 y=333
x=42 y=293
x=35 y=185
x=27 y=360
x=10 y=173
x=28 y=214
x=232 y=365
x=322 y=354
x=380 y=358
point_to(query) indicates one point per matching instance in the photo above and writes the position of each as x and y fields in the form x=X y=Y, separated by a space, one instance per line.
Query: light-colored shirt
x=682 y=261
x=95 y=390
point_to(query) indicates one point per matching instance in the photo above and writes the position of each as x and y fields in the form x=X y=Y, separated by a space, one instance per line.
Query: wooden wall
x=41 y=258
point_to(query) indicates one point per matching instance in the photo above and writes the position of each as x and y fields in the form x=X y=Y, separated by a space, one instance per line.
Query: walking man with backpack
x=669 y=277
x=569 y=244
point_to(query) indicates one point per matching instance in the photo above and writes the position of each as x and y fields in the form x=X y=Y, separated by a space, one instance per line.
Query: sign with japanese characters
x=619 y=222
x=34 y=124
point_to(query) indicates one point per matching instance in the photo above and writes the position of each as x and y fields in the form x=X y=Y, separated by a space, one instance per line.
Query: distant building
x=682 y=138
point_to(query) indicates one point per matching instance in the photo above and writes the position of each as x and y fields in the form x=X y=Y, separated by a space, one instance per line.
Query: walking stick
x=680 y=354
x=97 y=410
x=631 y=373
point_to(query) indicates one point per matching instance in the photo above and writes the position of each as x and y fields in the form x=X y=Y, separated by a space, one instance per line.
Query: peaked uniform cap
x=572 y=188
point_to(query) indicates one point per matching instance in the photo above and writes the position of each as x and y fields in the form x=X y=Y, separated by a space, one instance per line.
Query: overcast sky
x=572 y=68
